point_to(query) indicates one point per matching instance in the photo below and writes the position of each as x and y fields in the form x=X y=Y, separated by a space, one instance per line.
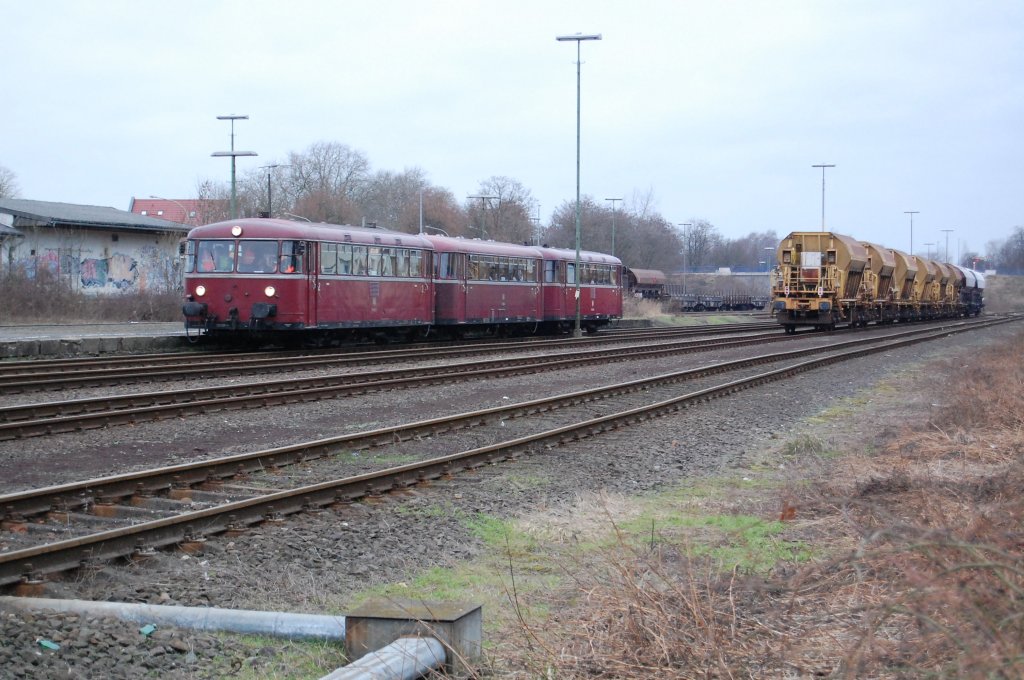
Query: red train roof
x=256 y=227
x=449 y=244
x=569 y=255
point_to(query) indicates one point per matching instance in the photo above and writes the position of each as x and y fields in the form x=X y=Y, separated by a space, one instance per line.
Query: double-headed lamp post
x=578 y=37
x=233 y=154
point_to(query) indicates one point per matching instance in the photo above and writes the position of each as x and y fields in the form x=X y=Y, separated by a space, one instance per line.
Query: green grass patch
x=804 y=445
x=292 y=660
x=750 y=544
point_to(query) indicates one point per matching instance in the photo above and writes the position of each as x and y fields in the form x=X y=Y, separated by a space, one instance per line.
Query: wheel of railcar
x=790 y=329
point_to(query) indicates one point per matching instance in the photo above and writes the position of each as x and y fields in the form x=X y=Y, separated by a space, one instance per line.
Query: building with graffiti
x=93 y=249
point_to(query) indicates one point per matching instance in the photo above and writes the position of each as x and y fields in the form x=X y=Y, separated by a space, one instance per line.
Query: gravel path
x=316 y=562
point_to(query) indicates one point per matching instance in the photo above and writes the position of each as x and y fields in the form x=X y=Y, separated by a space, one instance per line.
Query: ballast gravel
x=317 y=562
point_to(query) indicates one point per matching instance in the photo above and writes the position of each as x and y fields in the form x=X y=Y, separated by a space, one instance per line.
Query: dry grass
x=924 y=575
x=45 y=299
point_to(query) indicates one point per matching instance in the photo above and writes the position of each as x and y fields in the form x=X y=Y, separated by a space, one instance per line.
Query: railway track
x=90 y=413
x=58 y=374
x=62 y=528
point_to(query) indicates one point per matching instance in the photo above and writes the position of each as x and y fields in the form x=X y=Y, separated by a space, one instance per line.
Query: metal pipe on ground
x=406 y=658
x=247 y=622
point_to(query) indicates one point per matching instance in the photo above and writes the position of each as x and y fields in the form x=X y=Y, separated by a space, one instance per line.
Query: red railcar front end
x=266 y=276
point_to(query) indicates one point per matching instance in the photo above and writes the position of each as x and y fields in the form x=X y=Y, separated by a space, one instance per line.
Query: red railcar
x=485 y=285
x=267 y=276
x=600 y=287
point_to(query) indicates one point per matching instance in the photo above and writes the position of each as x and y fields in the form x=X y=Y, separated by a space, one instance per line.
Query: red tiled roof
x=183 y=211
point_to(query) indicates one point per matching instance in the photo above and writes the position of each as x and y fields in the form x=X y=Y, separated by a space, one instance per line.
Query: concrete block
x=458 y=626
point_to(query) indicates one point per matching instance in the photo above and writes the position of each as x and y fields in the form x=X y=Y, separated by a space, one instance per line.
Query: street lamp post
x=270 y=168
x=613 y=200
x=928 y=249
x=911 y=213
x=483 y=209
x=823 y=166
x=578 y=37
x=947 y=242
x=233 y=154
x=686 y=247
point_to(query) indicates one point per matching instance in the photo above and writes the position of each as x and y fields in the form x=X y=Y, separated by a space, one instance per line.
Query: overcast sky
x=717 y=109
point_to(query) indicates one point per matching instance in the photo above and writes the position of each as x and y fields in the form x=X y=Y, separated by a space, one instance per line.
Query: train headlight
x=269 y=291
x=200 y=291
x=236 y=231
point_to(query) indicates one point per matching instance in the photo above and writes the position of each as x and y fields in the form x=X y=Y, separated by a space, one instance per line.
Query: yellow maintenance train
x=824 y=280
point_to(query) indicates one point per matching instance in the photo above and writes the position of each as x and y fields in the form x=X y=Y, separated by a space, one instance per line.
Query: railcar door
x=449 y=288
x=309 y=260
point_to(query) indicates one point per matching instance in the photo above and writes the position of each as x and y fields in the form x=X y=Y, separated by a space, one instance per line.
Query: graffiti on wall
x=47 y=262
x=119 y=271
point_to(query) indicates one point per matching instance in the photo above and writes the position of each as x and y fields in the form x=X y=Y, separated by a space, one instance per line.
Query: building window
x=144 y=212
x=191 y=213
x=113 y=237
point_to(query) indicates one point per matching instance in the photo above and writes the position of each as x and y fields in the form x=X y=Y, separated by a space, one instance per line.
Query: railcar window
x=447 y=265
x=489 y=268
x=359 y=258
x=328 y=258
x=373 y=263
x=344 y=259
x=257 y=257
x=387 y=262
x=291 y=257
x=550 y=271
x=570 y=272
x=402 y=262
x=216 y=256
x=190 y=256
x=416 y=263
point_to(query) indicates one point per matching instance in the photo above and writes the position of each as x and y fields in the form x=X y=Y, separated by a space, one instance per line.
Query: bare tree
x=214 y=201
x=643 y=241
x=698 y=240
x=323 y=182
x=1009 y=255
x=8 y=183
x=746 y=252
x=391 y=199
x=506 y=217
